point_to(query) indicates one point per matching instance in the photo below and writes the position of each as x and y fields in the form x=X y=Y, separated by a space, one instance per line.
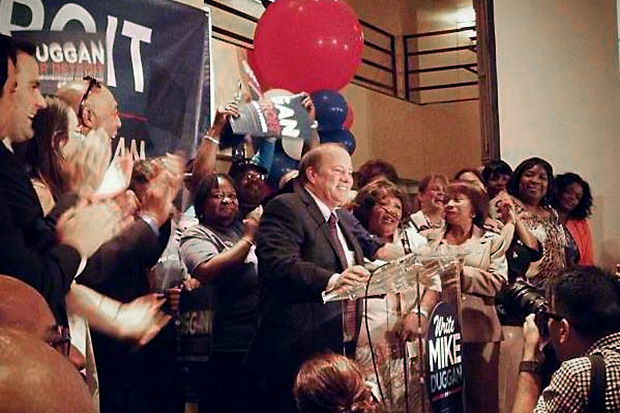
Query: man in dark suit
x=77 y=237
x=300 y=256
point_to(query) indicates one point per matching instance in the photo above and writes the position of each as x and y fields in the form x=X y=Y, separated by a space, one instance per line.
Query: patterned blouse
x=550 y=233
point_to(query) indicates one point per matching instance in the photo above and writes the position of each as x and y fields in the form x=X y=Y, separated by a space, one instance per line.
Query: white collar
x=6 y=141
x=325 y=210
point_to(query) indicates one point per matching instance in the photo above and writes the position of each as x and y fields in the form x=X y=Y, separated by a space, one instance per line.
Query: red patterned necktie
x=349 y=307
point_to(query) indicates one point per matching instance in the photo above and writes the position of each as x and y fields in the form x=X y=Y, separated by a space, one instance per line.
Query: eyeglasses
x=255 y=175
x=92 y=82
x=60 y=340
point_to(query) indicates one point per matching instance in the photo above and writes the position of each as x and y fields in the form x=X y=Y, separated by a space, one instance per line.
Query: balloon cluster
x=335 y=117
x=313 y=46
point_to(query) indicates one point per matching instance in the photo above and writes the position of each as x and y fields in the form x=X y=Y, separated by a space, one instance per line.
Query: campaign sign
x=65 y=56
x=443 y=358
x=156 y=61
x=194 y=332
x=279 y=116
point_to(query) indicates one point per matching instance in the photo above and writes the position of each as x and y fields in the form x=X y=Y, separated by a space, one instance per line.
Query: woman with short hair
x=219 y=252
x=431 y=197
x=495 y=176
x=483 y=275
x=390 y=320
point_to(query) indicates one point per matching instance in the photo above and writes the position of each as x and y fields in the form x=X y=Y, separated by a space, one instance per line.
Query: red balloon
x=308 y=45
x=348 y=121
x=252 y=62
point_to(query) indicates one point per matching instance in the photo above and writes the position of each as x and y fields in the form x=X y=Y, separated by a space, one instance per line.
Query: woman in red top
x=573 y=201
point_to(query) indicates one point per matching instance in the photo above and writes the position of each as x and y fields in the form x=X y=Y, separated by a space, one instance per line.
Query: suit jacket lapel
x=352 y=242
x=315 y=213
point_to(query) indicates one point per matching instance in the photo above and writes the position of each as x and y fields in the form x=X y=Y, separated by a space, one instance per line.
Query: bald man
x=37 y=320
x=94 y=105
x=17 y=296
x=37 y=379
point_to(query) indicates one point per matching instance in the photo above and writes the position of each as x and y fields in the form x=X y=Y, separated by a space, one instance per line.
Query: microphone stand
x=407 y=248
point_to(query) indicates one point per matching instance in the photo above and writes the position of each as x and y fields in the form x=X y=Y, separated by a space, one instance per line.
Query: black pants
x=227 y=386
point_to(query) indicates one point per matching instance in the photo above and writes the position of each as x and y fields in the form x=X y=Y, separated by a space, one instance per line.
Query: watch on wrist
x=530 y=367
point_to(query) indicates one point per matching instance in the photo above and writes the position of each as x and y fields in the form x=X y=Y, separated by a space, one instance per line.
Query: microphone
x=405 y=238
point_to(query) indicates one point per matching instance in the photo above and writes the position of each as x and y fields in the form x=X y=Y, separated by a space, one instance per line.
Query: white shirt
x=350 y=255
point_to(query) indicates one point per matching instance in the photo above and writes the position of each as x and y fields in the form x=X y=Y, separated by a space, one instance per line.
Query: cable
x=372 y=351
x=407 y=249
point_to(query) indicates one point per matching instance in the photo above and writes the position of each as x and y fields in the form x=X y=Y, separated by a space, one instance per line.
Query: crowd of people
x=81 y=254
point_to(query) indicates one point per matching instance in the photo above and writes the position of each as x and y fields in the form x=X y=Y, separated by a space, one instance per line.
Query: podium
x=423 y=375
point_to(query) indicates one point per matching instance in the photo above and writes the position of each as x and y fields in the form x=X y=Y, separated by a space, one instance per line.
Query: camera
x=519 y=299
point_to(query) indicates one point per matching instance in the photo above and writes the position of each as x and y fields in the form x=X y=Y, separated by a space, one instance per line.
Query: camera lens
x=520 y=299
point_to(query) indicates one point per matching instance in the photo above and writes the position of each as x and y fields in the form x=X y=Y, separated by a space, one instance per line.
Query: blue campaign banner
x=444 y=360
x=157 y=61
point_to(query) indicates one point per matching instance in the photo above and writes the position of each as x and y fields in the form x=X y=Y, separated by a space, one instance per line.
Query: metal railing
x=386 y=48
x=413 y=69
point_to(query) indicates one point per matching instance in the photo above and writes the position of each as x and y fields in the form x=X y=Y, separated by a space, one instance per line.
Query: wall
x=416 y=139
x=559 y=97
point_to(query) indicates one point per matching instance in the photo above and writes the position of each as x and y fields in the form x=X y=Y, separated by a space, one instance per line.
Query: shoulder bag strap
x=598 y=384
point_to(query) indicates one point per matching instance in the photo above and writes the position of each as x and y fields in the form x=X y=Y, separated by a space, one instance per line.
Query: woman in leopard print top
x=537 y=224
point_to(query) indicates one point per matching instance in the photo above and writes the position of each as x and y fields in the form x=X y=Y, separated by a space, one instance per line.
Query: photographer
x=583 y=321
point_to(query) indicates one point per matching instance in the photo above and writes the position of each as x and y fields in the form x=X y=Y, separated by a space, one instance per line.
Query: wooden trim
x=487 y=75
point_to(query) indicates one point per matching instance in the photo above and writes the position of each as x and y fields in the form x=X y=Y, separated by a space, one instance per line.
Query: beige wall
x=559 y=97
x=416 y=139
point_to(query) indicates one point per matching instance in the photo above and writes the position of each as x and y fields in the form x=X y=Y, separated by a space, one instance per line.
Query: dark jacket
x=296 y=258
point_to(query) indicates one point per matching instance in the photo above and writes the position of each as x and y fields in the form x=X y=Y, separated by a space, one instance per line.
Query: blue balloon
x=341 y=136
x=281 y=164
x=331 y=109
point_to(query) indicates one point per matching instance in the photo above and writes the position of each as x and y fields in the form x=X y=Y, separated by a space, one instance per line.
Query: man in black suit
x=77 y=237
x=300 y=256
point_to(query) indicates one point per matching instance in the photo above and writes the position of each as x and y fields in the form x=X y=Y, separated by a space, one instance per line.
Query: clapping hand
x=141 y=319
x=87 y=226
x=505 y=207
x=84 y=160
x=162 y=189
